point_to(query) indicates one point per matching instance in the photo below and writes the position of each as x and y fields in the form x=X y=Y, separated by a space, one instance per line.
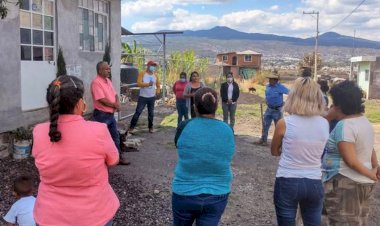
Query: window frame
x=31 y=28
x=245 y=58
x=106 y=34
x=224 y=57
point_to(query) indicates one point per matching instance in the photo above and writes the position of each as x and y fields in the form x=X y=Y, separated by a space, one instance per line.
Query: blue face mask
x=182 y=80
x=152 y=68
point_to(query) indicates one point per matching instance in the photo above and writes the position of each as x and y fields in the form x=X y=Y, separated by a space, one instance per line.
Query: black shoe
x=124 y=162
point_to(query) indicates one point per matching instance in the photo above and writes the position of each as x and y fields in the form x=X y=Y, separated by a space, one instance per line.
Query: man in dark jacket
x=229 y=92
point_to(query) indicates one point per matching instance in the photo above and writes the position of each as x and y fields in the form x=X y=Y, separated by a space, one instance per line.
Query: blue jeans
x=204 y=209
x=110 y=223
x=182 y=110
x=289 y=193
x=109 y=119
x=269 y=115
x=141 y=102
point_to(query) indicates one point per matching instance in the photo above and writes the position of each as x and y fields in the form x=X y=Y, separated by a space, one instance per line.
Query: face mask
x=152 y=68
x=182 y=80
x=229 y=80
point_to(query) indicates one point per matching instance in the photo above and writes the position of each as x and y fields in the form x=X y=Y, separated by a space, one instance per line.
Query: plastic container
x=21 y=150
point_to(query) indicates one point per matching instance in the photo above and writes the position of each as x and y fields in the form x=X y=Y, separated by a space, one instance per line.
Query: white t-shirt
x=358 y=131
x=230 y=90
x=302 y=147
x=21 y=212
x=149 y=91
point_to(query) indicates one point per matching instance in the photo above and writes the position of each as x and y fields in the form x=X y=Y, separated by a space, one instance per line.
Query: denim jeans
x=109 y=119
x=291 y=192
x=204 y=209
x=182 y=110
x=141 y=102
x=269 y=115
x=110 y=223
x=229 y=111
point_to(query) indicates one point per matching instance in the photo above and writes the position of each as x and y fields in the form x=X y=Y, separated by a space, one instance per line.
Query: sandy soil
x=254 y=170
x=144 y=187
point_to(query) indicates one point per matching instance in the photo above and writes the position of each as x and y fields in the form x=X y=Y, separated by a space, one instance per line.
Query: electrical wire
x=357 y=7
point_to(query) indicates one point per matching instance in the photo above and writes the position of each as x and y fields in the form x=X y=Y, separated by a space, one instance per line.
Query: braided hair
x=62 y=95
x=206 y=101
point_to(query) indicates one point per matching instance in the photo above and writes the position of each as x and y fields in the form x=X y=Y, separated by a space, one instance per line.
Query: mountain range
x=325 y=39
x=335 y=49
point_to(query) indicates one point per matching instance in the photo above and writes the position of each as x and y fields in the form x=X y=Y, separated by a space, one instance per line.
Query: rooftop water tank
x=128 y=74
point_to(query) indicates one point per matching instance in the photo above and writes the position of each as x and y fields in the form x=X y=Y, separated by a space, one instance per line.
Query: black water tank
x=128 y=74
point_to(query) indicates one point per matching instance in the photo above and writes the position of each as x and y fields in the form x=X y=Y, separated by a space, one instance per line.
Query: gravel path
x=144 y=186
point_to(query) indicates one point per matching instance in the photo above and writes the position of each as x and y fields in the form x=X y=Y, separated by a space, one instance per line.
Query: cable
x=346 y=16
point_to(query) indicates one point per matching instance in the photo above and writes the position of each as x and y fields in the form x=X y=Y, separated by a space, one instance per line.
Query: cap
x=274 y=76
x=151 y=62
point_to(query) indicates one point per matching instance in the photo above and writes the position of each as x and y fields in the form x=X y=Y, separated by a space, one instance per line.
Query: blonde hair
x=305 y=98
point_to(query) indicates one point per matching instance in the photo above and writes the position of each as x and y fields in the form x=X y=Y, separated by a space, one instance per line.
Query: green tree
x=61 y=65
x=185 y=61
x=133 y=54
x=107 y=56
x=4 y=8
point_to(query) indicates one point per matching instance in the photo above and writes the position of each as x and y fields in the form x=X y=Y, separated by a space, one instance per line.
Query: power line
x=357 y=7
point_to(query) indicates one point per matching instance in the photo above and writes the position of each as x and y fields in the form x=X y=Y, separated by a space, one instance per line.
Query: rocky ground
x=144 y=186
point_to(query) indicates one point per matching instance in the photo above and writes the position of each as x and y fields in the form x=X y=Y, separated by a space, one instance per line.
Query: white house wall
x=67 y=36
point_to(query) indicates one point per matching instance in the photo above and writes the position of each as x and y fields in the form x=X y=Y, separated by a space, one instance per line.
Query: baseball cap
x=151 y=62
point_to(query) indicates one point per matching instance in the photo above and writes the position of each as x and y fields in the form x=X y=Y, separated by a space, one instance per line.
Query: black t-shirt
x=193 y=90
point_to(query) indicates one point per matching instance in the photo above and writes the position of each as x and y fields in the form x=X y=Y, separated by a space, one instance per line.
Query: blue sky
x=281 y=17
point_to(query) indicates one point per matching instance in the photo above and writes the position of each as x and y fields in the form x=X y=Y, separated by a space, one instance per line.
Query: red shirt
x=179 y=88
x=74 y=187
x=102 y=88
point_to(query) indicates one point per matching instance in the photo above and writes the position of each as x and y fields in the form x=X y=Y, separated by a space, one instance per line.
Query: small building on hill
x=244 y=64
x=367 y=69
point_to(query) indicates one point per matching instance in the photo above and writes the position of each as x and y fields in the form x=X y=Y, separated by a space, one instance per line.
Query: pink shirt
x=102 y=88
x=74 y=187
x=179 y=88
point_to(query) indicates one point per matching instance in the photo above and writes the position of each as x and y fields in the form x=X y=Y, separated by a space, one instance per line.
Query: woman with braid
x=203 y=175
x=72 y=156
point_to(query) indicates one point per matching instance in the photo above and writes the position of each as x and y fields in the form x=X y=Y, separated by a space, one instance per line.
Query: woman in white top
x=299 y=140
x=350 y=167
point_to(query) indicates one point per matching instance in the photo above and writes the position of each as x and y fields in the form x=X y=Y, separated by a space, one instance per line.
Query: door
x=37 y=48
x=234 y=60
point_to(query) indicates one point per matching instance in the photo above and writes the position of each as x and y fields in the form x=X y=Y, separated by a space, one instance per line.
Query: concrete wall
x=67 y=36
x=374 y=83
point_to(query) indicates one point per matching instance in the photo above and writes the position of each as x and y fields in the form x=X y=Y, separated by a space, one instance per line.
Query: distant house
x=246 y=63
x=367 y=69
x=30 y=38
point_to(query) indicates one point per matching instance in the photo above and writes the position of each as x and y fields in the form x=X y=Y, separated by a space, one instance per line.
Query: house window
x=247 y=58
x=37 y=30
x=93 y=25
x=366 y=75
x=225 y=57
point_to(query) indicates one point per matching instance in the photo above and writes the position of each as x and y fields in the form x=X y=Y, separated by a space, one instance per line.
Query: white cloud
x=274 y=7
x=166 y=14
x=181 y=20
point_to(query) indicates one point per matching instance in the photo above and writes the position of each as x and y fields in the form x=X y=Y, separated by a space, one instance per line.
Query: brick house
x=243 y=64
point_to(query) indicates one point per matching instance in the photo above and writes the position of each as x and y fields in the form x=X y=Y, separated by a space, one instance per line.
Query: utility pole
x=352 y=55
x=316 y=43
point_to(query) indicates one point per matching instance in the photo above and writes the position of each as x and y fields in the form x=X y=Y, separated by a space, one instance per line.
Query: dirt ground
x=144 y=187
x=254 y=170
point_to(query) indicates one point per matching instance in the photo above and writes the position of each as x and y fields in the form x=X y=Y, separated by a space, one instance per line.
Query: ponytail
x=62 y=96
x=54 y=91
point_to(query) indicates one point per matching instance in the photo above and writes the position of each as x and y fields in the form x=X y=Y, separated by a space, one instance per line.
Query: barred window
x=93 y=27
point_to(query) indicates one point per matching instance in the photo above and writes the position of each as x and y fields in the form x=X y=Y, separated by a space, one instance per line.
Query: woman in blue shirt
x=203 y=176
